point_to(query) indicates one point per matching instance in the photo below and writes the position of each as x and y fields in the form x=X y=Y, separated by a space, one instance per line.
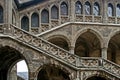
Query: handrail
x=73 y=60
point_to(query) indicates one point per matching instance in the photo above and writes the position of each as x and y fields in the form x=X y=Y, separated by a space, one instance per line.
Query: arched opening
x=35 y=20
x=54 y=12
x=87 y=8
x=88 y=45
x=8 y=58
x=96 y=9
x=114 y=49
x=64 y=8
x=51 y=72
x=44 y=16
x=25 y=23
x=96 y=78
x=110 y=10
x=59 y=42
x=19 y=71
x=118 y=10
x=78 y=7
x=1 y=14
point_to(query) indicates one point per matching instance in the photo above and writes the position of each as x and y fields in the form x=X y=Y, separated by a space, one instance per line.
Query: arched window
x=87 y=8
x=78 y=7
x=118 y=10
x=54 y=12
x=110 y=9
x=1 y=14
x=44 y=16
x=35 y=20
x=25 y=23
x=64 y=9
x=96 y=9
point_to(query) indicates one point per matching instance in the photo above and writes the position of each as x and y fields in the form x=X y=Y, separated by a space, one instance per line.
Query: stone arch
x=53 y=70
x=113 y=47
x=78 y=7
x=54 y=12
x=88 y=8
x=45 y=16
x=25 y=23
x=88 y=44
x=8 y=57
x=96 y=9
x=96 y=78
x=94 y=31
x=62 y=38
x=64 y=8
x=97 y=74
x=35 y=19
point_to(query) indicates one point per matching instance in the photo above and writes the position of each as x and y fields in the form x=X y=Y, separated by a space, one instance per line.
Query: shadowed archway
x=96 y=78
x=88 y=45
x=52 y=72
x=8 y=57
x=114 y=49
x=61 y=42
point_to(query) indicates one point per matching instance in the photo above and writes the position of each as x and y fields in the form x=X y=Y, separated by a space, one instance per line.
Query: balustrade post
x=78 y=75
x=104 y=53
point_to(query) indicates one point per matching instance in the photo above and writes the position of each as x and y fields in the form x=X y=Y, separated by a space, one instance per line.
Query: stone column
x=104 y=52
x=104 y=11
x=71 y=49
x=72 y=11
x=8 y=11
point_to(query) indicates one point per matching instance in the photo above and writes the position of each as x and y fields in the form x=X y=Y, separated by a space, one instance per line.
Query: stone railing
x=111 y=67
x=59 y=53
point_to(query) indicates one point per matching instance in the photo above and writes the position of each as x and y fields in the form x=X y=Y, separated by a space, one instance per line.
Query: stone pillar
x=72 y=11
x=8 y=11
x=104 y=52
x=104 y=11
x=71 y=49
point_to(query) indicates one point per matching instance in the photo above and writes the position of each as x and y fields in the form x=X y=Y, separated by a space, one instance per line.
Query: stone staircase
x=58 y=53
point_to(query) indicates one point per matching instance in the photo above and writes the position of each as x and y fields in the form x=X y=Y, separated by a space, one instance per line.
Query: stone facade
x=70 y=46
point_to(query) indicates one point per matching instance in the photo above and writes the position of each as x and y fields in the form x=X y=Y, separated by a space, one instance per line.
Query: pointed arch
x=44 y=16
x=1 y=14
x=54 y=12
x=87 y=8
x=88 y=43
x=118 y=10
x=25 y=23
x=110 y=10
x=64 y=8
x=35 y=20
x=78 y=7
x=96 y=9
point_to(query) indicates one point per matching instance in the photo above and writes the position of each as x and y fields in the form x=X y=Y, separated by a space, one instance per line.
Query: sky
x=22 y=67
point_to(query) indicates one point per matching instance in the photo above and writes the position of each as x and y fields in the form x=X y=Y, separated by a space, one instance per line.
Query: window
x=54 y=12
x=35 y=20
x=87 y=8
x=64 y=9
x=96 y=9
x=44 y=16
x=110 y=10
x=78 y=8
x=118 y=10
x=1 y=14
x=25 y=23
